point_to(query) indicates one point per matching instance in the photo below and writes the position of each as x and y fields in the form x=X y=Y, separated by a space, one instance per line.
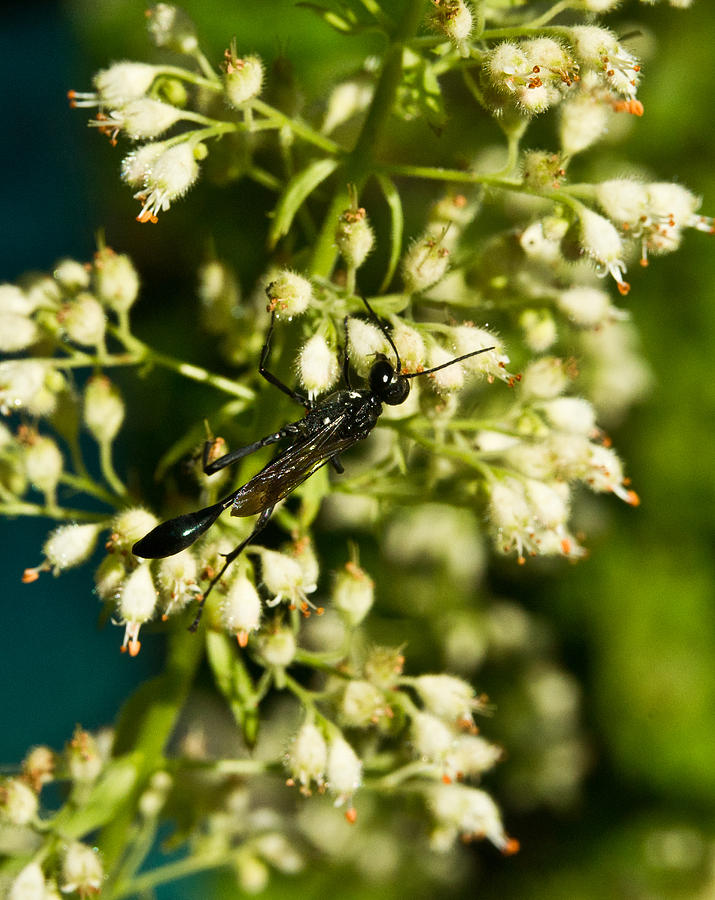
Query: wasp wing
x=291 y=468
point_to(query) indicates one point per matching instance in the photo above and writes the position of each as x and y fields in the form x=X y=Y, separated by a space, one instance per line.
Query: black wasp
x=329 y=427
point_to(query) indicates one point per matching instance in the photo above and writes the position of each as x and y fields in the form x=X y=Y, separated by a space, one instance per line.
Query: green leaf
x=397 y=225
x=338 y=22
x=295 y=193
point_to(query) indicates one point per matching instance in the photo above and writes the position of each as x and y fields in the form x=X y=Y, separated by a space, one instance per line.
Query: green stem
x=145 y=726
x=298 y=128
x=108 y=471
x=60 y=513
x=360 y=163
x=87 y=486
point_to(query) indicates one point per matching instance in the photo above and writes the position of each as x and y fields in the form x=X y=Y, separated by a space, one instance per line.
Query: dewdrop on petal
x=82 y=870
x=116 y=282
x=600 y=240
x=318 y=366
x=307 y=757
x=136 y=603
x=289 y=294
x=241 y=609
x=343 y=772
x=353 y=594
x=103 y=409
x=169 y=178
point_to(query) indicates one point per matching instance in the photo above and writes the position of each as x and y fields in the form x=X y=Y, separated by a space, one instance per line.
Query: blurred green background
x=635 y=623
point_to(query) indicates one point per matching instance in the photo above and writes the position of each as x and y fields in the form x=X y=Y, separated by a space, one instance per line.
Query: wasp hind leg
x=228 y=559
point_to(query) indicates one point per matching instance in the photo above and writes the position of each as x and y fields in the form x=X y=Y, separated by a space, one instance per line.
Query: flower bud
x=601 y=241
x=29 y=884
x=120 y=83
x=253 y=874
x=84 y=759
x=39 y=767
x=318 y=366
x=141 y=119
x=583 y=120
x=289 y=294
x=383 y=667
x=354 y=236
x=116 y=281
x=72 y=276
x=624 y=201
x=424 y=264
x=544 y=378
x=284 y=578
x=470 y=812
x=82 y=870
x=343 y=770
x=353 y=593
x=152 y=800
x=346 y=100
x=83 y=320
x=136 y=603
x=168 y=178
x=137 y=166
x=43 y=463
x=278 y=647
x=451 y=378
x=70 y=545
x=307 y=757
x=410 y=345
x=542 y=171
x=220 y=295
x=454 y=19
x=130 y=525
x=103 y=409
x=365 y=341
x=571 y=414
x=241 y=609
x=447 y=697
x=539 y=329
x=176 y=578
x=109 y=575
x=362 y=705
x=170 y=27
x=587 y=307
x=17 y=332
x=18 y=802
x=243 y=79
x=27 y=384
x=431 y=738
x=14 y=300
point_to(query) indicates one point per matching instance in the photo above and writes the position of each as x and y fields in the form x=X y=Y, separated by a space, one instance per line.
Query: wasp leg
x=234 y=455
x=273 y=379
x=346 y=358
x=229 y=558
x=337 y=465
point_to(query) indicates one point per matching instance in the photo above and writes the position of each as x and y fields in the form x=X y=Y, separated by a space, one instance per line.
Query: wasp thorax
x=388 y=385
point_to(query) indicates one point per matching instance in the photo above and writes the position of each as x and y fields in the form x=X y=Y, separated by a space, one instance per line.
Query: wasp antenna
x=450 y=363
x=382 y=328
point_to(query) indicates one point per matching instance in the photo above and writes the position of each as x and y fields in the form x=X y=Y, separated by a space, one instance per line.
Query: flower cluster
x=511 y=352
